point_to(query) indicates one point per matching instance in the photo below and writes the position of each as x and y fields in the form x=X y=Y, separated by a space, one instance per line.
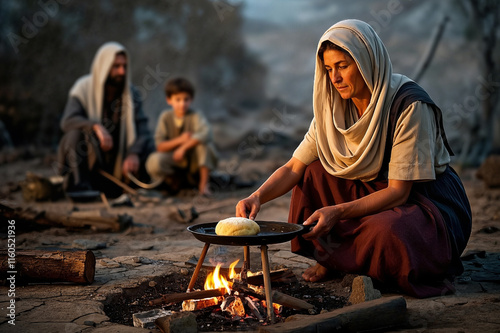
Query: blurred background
x=252 y=62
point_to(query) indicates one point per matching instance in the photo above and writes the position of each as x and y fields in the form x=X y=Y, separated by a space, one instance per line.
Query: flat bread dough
x=237 y=226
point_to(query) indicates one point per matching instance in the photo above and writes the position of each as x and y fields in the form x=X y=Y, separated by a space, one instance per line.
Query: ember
x=235 y=303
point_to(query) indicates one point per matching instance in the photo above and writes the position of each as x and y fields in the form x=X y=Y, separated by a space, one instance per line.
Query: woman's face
x=345 y=75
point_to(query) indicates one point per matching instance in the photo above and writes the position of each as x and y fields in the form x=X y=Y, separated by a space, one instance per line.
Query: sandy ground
x=158 y=245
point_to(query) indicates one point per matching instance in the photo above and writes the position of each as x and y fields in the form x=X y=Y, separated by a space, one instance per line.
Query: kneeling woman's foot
x=315 y=273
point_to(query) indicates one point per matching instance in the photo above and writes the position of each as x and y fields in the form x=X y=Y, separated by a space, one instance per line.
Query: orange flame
x=232 y=273
x=217 y=281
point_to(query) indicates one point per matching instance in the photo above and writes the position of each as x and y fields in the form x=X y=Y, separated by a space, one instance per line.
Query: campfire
x=238 y=296
x=239 y=300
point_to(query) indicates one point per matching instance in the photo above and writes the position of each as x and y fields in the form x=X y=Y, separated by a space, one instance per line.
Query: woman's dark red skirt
x=416 y=246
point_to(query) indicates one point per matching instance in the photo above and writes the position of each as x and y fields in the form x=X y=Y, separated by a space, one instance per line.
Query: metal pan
x=270 y=233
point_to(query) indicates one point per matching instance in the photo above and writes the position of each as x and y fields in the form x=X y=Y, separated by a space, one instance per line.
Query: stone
x=88 y=244
x=107 y=263
x=147 y=319
x=142 y=247
x=362 y=290
x=146 y=261
x=184 y=322
x=488 y=171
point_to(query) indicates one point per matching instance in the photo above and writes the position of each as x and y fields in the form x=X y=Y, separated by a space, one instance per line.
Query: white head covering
x=89 y=90
x=354 y=152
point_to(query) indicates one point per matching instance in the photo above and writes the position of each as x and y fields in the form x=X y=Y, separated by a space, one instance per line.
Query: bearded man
x=104 y=125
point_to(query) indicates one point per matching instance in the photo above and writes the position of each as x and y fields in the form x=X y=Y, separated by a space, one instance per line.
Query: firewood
x=49 y=266
x=278 y=297
x=95 y=219
x=255 y=311
x=377 y=315
x=198 y=304
x=280 y=275
x=233 y=305
x=179 y=297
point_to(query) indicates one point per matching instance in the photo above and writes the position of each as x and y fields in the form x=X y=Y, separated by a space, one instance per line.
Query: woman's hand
x=327 y=217
x=248 y=207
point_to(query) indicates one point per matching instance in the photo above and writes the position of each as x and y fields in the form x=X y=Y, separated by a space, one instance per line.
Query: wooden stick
x=179 y=297
x=118 y=182
x=198 y=266
x=105 y=200
x=267 y=283
x=279 y=275
x=50 y=266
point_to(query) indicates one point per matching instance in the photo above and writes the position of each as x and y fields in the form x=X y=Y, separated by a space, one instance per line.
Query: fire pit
x=121 y=306
x=271 y=233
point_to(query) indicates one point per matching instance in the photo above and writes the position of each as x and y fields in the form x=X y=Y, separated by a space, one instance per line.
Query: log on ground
x=49 y=266
x=377 y=315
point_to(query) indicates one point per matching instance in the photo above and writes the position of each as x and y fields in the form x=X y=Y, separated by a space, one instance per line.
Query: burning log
x=278 y=297
x=234 y=306
x=255 y=310
x=198 y=304
x=49 y=266
x=179 y=297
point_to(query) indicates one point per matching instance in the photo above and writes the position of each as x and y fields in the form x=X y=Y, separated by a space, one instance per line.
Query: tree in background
x=484 y=25
x=46 y=45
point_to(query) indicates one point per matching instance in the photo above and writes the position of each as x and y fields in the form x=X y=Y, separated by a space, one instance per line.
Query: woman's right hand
x=248 y=207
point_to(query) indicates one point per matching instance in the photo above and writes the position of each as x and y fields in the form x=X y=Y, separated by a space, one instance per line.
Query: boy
x=183 y=141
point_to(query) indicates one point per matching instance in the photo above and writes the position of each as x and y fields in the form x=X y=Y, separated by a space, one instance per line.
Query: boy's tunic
x=162 y=164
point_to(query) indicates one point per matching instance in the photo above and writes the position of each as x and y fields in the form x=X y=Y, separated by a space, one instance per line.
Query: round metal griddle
x=270 y=233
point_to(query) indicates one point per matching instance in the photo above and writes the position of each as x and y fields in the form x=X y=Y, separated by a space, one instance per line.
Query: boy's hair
x=179 y=85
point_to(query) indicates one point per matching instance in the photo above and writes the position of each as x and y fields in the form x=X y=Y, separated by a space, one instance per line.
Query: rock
x=184 y=271
x=38 y=188
x=488 y=171
x=89 y=323
x=142 y=247
x=146 y=261
x=88 y=244
x=182 y=322
x=147 y=319
x=108 y=263
x=152 y=284
x=362 y=290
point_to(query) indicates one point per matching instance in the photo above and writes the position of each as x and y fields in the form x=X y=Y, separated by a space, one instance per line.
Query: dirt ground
x=158 y=245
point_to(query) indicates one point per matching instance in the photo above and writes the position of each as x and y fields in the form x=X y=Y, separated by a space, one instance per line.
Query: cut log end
x=51 y=266
x=89 y=271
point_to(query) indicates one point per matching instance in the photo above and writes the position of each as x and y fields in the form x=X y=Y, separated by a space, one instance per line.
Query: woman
x=373 y=172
